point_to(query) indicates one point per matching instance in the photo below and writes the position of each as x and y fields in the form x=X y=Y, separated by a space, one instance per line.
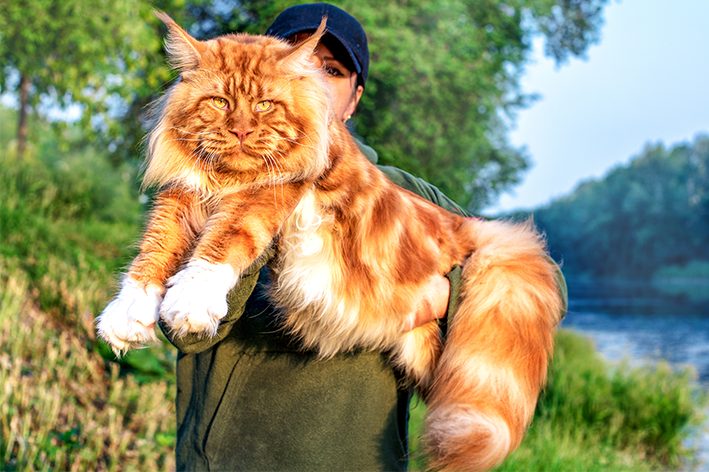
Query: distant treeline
x=640 y=218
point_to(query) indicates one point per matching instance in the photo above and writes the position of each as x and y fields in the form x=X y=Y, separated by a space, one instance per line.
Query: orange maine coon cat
x=246 y=153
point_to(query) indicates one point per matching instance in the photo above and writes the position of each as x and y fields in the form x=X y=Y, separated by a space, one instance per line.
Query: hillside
x=649 y=217
x=68 y=221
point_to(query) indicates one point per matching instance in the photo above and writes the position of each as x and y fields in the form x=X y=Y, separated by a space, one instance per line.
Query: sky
x=645 y=82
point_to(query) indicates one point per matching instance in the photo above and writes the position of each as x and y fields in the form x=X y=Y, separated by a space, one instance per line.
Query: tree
x=654 y=212
x=442 y=91
x=75 y=52
x=444 y=86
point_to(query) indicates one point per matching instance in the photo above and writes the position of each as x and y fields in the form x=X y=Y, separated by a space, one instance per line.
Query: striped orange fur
x=247 y=154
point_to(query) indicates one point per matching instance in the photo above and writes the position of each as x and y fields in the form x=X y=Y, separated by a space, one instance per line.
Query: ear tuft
x=183 y=51
x=300 y=57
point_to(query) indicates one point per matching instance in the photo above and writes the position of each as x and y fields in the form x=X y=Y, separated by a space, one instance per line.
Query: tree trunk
x=22 y=122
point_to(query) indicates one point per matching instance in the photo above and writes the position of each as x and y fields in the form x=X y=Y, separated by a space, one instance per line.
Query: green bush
x=61 y=180
x=69 y=221
x=650 y=408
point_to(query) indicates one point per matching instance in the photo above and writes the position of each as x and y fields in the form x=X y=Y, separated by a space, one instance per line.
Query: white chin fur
x=196 y=297
x=128 y=321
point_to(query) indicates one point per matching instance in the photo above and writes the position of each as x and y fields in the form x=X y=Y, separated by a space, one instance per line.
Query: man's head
x=342 y=52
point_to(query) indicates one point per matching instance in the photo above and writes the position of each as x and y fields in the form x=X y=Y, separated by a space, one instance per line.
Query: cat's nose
x=241 y=134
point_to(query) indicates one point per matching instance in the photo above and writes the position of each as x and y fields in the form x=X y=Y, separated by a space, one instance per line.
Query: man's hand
x=435 y=302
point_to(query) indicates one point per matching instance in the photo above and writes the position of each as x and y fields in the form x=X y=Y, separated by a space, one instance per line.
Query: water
x=645 y=323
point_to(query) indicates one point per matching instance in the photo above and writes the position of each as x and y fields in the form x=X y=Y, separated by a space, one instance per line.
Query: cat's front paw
x=128 y=321
x=196 y=297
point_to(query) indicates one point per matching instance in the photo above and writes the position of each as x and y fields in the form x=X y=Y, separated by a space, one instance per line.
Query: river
x=644 y=321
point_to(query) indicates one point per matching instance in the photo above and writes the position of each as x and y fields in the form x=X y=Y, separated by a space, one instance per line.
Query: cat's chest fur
x=305 y=268
x=310 y=283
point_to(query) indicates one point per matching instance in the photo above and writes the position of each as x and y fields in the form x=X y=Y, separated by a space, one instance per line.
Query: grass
x=602 y=417
x=69 y=221
x=63 y=407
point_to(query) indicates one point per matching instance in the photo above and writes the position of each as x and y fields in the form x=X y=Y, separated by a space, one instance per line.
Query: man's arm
x=448 y=288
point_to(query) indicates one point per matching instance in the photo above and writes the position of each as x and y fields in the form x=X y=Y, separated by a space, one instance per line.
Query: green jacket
x=251 y=399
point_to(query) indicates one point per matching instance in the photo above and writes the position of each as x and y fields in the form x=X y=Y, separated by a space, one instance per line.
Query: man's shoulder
x=368 y=152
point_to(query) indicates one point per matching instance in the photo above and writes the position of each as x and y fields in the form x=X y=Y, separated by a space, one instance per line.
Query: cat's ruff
x=355 y=252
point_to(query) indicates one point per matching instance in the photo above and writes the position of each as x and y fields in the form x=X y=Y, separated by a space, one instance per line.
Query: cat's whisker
x=272 y=180
x=182 y=139
x=210 y=157
x=213 y=159
x=269 y=167
x=280 y=170
x=196 y=153
x=271 y=176
x=294 y=142
x=299 y=136
x=303 y=136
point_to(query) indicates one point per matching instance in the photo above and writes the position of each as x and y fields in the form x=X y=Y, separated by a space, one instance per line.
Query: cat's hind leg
x=416 y=353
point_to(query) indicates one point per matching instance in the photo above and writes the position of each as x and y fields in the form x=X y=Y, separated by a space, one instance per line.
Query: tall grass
x=602 y=417
x=62 y=407
x=69 y=220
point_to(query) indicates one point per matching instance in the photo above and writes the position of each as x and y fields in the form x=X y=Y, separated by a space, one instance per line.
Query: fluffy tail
x=495 y=358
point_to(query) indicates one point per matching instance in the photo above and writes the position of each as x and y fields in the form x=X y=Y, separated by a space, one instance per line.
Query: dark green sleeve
x=563 y=290
x=193 y=343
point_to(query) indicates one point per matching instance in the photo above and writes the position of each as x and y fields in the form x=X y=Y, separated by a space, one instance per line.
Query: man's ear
x=184 y=52
x=352 y=106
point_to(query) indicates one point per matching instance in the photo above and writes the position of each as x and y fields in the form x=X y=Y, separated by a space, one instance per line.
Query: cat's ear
x=183 y=51
x=304 y=51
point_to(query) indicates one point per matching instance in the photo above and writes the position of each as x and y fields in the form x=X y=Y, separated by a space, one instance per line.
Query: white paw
x=128 y=321
x=196 y=297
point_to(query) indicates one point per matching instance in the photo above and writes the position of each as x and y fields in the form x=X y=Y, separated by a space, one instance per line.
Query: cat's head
x=253 y=108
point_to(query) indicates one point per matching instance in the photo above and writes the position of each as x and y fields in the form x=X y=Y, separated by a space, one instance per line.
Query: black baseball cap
x=344 y=35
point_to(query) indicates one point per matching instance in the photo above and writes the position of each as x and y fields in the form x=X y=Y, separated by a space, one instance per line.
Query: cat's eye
x=220 y=102
x=264 y=105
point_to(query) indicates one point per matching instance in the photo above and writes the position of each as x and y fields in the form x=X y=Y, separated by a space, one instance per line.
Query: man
x=250 y=398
